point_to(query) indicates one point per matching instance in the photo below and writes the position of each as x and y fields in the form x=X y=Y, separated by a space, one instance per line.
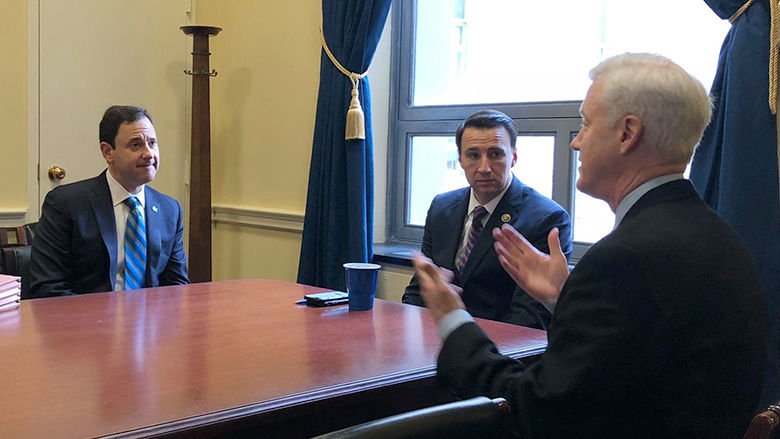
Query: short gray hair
x=672 y=105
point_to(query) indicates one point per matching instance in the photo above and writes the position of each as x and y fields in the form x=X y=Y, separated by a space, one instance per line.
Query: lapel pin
x=154 y=209
x=506 y=217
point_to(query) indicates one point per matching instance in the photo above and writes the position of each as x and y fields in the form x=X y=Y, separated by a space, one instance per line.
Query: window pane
x=534 y=165
x=435 y=169
x=593 y=219
x=483 y=51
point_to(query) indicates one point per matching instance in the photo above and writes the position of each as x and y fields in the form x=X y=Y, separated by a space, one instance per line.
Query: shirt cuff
x=453 y=321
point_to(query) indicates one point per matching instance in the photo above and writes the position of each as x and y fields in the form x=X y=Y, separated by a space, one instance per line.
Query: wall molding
x=256 y=217
x=13 y=214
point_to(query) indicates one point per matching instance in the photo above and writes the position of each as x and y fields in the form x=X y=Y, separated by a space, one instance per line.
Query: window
x=530 y=60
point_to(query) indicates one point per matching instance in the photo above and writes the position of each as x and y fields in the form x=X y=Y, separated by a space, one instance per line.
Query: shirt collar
x=119 y=194
x=629 y=200
x=490 y=206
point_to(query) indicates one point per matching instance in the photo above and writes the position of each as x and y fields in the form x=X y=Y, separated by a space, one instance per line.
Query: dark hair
x=115 y=116
x=485 y=120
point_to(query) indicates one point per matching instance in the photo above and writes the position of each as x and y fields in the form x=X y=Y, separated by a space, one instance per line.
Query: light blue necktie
x=135 y=246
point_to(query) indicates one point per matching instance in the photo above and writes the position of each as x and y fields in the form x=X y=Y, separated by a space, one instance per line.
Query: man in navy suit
x=660 y=331
x=486 y=143
x=81 y=240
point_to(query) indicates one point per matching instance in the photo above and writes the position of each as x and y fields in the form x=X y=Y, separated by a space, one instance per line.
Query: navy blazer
x=75 y=245
x=488 y=291
x=660 y=331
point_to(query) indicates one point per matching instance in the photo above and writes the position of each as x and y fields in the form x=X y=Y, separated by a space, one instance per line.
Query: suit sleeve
x=50 y=268
x=524 y=308
x=596 y=343
x=412 y=291
x=175 y=272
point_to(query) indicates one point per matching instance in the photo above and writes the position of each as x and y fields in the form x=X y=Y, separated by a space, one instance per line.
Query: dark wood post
x=200 y=155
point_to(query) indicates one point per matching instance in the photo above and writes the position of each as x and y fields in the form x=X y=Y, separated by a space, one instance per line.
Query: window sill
x=397 y=254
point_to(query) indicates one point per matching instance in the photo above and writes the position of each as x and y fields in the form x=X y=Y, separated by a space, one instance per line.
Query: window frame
x=561 y=119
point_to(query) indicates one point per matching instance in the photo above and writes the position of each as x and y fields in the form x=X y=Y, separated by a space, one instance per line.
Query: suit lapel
x=505 y=212
x=103 y=210
x=452 y=225
x=153 y=227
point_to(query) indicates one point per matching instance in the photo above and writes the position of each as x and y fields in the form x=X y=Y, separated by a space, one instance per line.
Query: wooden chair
x=765 y=425
x=476 y=417
x=13 y=236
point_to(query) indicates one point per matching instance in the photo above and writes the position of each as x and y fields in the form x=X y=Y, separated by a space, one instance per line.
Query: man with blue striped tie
x=111 y=232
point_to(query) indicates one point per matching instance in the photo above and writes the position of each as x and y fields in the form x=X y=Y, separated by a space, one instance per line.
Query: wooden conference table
x=233 y=358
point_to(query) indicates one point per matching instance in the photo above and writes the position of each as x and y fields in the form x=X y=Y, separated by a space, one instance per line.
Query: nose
x=575 y=142
x=147 y=151
x=484 y=165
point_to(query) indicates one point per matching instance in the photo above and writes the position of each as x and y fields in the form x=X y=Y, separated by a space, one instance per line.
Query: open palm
x=542 y=276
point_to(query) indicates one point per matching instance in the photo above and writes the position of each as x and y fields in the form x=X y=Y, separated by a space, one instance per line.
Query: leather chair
x=765 y=425
x=16 y=262
x=480 y=417
x=29 y=230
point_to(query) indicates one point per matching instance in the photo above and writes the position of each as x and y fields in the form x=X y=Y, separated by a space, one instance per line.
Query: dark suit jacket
x=659 y=332
x=488 y=291
x=75 y=245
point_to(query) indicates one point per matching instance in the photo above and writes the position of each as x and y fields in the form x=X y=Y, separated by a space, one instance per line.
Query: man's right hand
x=541 y=276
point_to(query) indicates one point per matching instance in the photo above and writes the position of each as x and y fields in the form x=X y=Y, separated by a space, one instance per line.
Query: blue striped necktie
x=478 y=213
x=135 y=246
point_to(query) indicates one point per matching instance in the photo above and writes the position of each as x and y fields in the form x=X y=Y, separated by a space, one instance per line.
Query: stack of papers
x=10 y=291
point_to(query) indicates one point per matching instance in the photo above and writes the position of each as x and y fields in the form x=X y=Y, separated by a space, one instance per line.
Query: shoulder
x=164 y=200
x=77 y=190
x=446 y=199
x=520 y=193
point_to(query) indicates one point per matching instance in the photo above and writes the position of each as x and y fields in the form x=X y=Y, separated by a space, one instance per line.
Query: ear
x=514 y=158
x=631 y=131
x=107 y=151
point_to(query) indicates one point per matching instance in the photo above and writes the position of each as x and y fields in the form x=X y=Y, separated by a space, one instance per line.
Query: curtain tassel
x=356 y=126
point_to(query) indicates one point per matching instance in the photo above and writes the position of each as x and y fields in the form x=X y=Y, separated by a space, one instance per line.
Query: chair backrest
x=29 y=230
x=16 y=261
x=13 y=236
x=478 y=417
x=765 y=425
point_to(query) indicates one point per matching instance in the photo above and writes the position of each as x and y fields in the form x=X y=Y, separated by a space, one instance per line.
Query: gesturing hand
x=439 y=295
x=540 y=275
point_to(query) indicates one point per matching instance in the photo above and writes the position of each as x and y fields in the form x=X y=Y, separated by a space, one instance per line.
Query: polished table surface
x=171 y=359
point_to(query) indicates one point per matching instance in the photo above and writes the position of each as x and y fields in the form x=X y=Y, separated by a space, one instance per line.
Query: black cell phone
x=326 y=299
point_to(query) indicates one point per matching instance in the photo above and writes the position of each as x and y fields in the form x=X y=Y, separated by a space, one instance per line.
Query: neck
x=632 y=180
x=129 y=188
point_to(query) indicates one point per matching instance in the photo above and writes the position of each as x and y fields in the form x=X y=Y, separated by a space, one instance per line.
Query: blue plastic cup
x=361 y=285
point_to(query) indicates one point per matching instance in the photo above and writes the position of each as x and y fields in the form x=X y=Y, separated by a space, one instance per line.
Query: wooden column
x=199 y=254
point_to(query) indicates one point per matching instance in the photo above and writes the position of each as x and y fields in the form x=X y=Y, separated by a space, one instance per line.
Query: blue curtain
x=735 y=166
x=338 y=227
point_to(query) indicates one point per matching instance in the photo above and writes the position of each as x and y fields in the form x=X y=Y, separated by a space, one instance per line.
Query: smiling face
x=487 y=157
x=136 y=157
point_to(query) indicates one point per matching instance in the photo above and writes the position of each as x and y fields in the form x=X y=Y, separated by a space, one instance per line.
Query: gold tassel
x=356 y=127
